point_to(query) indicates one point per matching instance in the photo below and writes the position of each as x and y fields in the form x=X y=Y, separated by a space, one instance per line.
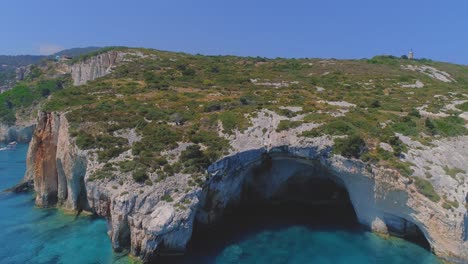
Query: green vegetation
x=231 y=121
x=25 y=95
x=450 y=126
x=452 y=172
x=351 y=147
x=140 y=175
x=450 y=204
x=286 y=124
x=167 y=198
x=463 y=107
x=194 y=159
x=169 y=98
x=425 y=187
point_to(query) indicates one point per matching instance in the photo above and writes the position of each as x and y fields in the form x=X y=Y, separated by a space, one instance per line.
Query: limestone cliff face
x=95 y=67
x=54 y=164
x=142 y=220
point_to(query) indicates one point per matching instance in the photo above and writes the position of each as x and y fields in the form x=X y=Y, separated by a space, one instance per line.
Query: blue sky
x=293 y=28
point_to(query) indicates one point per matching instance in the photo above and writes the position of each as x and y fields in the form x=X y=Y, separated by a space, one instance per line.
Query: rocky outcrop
x=158 y=218
x=55 y=165
x=22 y=72
x=95 y=67
x=142 y=219
x=20 y=134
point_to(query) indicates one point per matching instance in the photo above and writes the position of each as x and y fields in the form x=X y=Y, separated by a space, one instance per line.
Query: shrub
x=406 y=126
x=403 y=167
x=287 y=124
x=212 y=107
x=85 y=141
x=350 y=147
x=425 y=188
x=217 y=146
x=430 y=126
x=414 y=112
x=248 y=99
x=397 y=145
x=375 y=104
x=139 y=175
x=110 y=153
x=128 y=165
x=194 y=157
x=167 y=198
x=452 y=172
x=231 y=121
x=450 y=126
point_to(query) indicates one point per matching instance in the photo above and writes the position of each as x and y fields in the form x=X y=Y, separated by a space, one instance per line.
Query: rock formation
x=22 y=72
x=55 y=165
x=157 y=219
x=18 y=133
x=95 y=67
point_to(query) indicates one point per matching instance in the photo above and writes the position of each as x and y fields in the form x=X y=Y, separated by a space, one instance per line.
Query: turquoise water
x=298 y=234
x=300 y=244
x=32 y=235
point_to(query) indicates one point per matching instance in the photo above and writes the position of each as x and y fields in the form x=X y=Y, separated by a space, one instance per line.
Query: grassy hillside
x=174 y=97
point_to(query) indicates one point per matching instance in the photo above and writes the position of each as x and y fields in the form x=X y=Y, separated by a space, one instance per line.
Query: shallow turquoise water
x=32 y=235
x=300 y=244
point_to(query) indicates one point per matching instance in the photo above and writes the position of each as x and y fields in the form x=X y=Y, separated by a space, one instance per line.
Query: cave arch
x=286 y=176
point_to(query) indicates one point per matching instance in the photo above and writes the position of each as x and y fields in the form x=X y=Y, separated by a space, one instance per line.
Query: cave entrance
x=274 y=194
x=277 y=193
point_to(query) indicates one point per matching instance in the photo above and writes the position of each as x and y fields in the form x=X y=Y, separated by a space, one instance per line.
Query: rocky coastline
x=147 y=224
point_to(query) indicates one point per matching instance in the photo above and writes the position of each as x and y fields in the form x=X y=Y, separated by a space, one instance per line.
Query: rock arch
x=262 y=174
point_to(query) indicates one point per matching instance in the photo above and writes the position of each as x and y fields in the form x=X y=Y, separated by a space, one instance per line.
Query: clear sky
x=289 y=28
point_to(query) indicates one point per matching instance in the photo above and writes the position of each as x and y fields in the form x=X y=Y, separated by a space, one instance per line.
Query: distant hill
x=20 y=60
x=24 y=60
x=9 y=63
x=75 y=52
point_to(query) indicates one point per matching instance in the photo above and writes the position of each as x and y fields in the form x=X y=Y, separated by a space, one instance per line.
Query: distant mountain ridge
x=19 y=60
x=10 y=63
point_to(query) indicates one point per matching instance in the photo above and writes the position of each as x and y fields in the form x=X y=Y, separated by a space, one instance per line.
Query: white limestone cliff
x=142 y=220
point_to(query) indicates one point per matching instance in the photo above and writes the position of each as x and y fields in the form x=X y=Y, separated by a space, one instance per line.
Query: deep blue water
x=32 y=235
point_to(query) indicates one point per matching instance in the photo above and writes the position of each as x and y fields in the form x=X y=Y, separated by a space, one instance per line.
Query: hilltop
x=373 y=98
